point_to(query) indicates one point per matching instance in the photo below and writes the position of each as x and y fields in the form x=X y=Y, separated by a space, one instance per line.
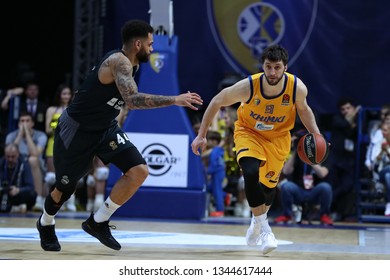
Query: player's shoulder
x=116 y=57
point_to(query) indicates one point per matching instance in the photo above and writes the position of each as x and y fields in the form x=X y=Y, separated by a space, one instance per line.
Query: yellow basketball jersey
x=268 y=116
x=262 y=129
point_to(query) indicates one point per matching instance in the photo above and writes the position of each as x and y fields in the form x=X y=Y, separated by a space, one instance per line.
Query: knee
x=138 y=173
x=288 y=187
x=325 y=186
x=144 y=171
x=251 y=172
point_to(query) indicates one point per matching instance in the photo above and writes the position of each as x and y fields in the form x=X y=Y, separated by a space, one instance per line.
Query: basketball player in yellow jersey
x=269 y=102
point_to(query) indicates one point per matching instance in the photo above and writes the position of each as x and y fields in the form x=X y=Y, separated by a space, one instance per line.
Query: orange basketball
x=312 y=148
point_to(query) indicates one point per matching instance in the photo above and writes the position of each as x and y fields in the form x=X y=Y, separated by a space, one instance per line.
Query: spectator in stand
x=31 y=143
x=62 y=99
x=376 y=138
x=31 y=103
x=16 y=182
x=344 y=139
x=216 y=172
x=5 y=97
x=382 y=164
x=9 y=94
x=305 y=185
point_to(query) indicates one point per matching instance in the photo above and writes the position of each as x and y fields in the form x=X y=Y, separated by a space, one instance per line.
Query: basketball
x=312 y=148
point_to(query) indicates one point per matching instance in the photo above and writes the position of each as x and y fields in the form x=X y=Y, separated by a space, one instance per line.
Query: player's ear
x=285 y=67
x=138 y=43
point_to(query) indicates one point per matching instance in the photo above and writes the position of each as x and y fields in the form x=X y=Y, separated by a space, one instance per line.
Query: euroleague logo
x=159 y=158
x=243 y=29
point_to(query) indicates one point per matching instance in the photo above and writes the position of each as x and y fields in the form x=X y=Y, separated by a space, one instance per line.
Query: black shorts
x=75 y=149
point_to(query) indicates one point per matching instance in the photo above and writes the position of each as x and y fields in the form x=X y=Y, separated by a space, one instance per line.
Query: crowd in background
x=326 y=192
x=27 y=138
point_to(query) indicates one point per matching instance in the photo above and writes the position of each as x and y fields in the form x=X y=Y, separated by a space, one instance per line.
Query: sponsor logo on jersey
x=263 y=126
x=116 y=103
x=267 y=119
x=243 y=29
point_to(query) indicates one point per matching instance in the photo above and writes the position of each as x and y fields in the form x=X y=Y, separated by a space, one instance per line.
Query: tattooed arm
x=122 y=70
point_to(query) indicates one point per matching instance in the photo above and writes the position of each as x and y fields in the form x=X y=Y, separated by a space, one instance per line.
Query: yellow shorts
x=273 y=152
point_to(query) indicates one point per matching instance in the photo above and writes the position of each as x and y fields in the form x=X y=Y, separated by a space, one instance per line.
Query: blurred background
x=336 y=47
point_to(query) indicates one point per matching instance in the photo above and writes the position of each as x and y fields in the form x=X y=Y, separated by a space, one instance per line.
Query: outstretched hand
x=198 y=145
x=188 y=100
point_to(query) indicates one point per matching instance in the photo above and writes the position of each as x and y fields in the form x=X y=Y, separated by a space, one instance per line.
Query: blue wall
x=345 y=53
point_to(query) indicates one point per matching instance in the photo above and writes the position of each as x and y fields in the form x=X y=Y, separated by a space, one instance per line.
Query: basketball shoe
x=268 y=242
x=253 y=233
x=326 y=220
x=101 y=231
x=47 y=234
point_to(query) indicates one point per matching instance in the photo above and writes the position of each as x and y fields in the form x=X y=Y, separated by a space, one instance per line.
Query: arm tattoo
x=147 y=101
x=129 y=90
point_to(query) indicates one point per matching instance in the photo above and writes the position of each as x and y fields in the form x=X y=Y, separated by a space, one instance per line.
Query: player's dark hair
x=135 y=29
x=275 y=53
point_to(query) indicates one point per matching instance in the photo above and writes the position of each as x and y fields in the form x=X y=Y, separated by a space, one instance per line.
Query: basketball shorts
x=272 y=152
x=75 y=149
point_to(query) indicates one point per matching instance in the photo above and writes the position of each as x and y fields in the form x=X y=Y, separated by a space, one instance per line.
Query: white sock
x=262 y=220
x=46 y=219
x=105 y=211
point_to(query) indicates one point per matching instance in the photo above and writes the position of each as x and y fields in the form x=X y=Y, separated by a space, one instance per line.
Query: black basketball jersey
x=95 y=105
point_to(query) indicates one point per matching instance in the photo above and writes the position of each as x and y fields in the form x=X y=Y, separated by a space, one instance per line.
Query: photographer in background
x=17 y=186
x=344 y=142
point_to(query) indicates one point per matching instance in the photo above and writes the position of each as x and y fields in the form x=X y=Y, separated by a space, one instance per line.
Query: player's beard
x=274 y=82
x=142 y=56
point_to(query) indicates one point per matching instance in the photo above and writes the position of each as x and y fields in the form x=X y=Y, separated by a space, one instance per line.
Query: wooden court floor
x=208 y=239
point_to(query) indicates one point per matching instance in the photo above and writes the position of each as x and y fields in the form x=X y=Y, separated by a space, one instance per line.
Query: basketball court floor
x=207 y=239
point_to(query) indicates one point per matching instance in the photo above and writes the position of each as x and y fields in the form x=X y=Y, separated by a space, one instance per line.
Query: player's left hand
x=188 y=100
x=198 y=145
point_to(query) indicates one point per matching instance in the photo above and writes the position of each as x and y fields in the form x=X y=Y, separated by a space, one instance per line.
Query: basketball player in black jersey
x=88 y=127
